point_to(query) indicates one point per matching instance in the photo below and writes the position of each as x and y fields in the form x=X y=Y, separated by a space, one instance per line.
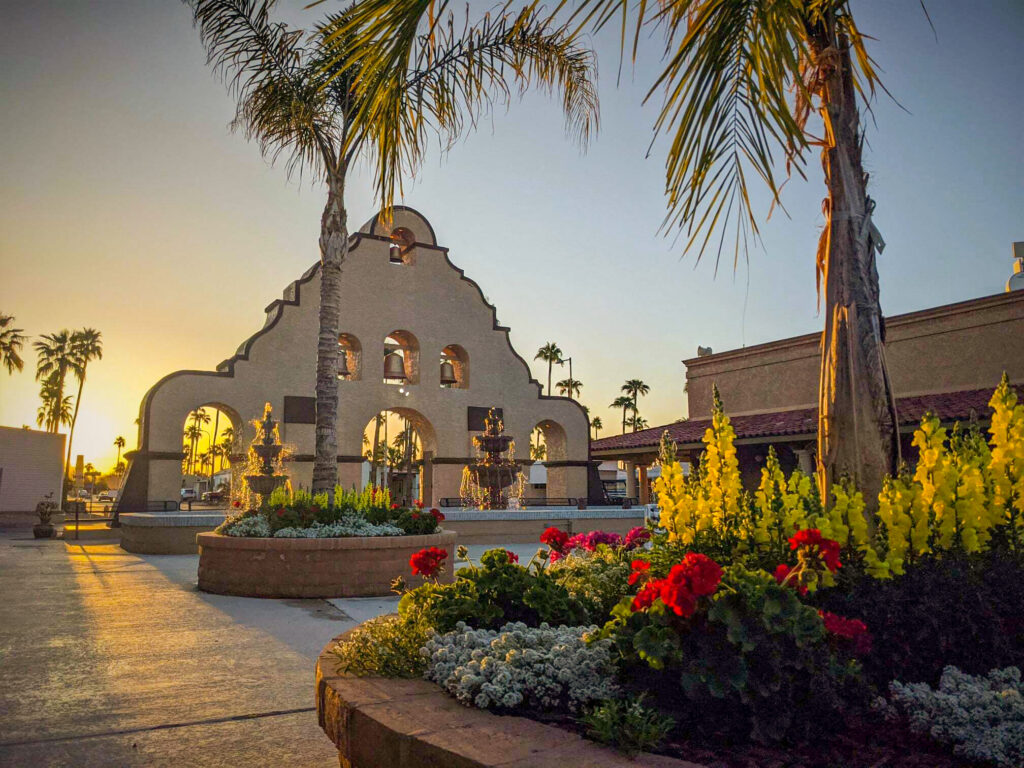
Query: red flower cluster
x=812 y=540
x=555 y=538
x=512 y=556
x=419 y=504
x=854 y=630
x=437 y=514
x=782 y=572
x=427 y=561
x=280 y=512
x=236 y=504
x=395 y=505
x=696 y=576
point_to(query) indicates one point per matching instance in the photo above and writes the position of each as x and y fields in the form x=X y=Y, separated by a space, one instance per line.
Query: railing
x=449 y=502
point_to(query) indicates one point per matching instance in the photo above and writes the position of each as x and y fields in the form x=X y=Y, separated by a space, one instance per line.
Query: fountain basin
x=358 y=566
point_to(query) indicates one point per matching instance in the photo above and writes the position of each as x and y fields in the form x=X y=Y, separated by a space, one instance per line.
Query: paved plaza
x=114 y=659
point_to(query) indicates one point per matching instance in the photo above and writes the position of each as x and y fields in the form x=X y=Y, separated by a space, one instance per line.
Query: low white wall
x=30 y=467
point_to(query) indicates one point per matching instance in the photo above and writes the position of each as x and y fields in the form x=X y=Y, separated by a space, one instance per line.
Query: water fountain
x=492 y=480
x=267 y=450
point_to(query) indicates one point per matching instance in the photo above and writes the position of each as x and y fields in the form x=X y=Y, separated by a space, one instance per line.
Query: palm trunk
x=857 y=424
x=74 y=419
x=213 y=447
x=333 y=250
x=549 y=379
x=374 y=450
x=624 y=418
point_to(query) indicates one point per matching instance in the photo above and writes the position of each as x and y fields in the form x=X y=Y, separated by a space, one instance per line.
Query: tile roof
x=804 y=421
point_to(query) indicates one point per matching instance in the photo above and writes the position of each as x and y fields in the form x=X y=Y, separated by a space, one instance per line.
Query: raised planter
x=361 y=566
x=380 y=722
x=164 y=533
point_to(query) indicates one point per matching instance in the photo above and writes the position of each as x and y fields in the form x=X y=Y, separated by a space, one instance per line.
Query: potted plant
x=45 y=510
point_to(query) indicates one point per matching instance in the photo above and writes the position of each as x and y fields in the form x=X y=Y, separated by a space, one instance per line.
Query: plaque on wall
x=299 y=410
x=476 y=415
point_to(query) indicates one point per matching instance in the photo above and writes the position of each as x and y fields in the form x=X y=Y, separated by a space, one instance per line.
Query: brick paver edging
x=381 y=722
x=361 y=566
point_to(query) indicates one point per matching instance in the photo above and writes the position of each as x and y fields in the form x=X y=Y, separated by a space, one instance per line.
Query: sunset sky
x=127 y=205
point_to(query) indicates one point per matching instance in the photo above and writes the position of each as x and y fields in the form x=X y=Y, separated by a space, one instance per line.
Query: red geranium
x=555 y=538
x=437 y=514
x=676 y=593
x=236 y=504
x=419 y=504
x=639 y=568
x=702 y=572
x=854 y=630
x=812 y=540
x=512 y=556
x=395 y=505
x=427 y=561
x=781 y=574
x=415 y=515
x=645 y=597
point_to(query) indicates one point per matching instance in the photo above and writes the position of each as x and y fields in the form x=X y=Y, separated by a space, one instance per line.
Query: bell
x=448 y=373
x=394 y=366
x=343 y=370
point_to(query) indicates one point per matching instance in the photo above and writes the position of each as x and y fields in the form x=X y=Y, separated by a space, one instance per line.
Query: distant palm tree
x=596 y=425
x=55 y=359
x=227 y=445
x=551 y=354
x=120 y=444
x=635 y=388
x=86 y=346
x=56 y=409
x=570 y=387
x=11 y=342
x=637 y=422
x=538 y=450
x=625 y=403
x=120 y=468
x=194 y=433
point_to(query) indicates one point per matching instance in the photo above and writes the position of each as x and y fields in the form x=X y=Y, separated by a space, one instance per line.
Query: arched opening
x=350 y=357
x=213 y=452
x=397 y=446
x=454 y=367
x=403 y=246
x=401 y=358
x=548 y=447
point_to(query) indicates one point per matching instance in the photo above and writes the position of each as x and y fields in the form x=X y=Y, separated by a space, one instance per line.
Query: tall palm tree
x=551 y=354
x=194 y=434
x=11 y=342
x=86 y=346
x=56 y=408
x=119 y=443
x=741 y=80
x=538 y=450
x=55 y=358
x=227 y=445
x=596 y=425
x=635 y=388
x=637 y=422
x=314 y=98
x=625 y=403
x=570 y=387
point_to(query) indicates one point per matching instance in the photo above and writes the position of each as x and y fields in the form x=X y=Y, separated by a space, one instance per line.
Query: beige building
x=31 y=465
x=450 y=361
x=946 y=360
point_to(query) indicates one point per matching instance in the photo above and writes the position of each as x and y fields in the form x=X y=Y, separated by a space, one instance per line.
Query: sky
x=127 y=205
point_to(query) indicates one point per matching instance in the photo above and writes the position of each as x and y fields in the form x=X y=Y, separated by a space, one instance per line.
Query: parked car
x=214 y=496
x=84 y=494
x=188 y=494
x=108 y=496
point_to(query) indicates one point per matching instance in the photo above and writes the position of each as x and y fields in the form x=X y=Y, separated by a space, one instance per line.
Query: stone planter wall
x=343 y=567
x=388 y=723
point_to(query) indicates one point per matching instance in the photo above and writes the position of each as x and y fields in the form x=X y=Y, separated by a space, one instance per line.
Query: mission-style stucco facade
x=397 y=284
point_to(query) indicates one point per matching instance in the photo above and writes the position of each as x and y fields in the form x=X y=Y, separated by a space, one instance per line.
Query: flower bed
x=756 y=629
x=299 y=545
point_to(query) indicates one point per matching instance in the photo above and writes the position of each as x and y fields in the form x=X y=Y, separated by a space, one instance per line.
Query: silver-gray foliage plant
x=350 y=526
x=256 y=526
x=981 y=716
x=542 y=667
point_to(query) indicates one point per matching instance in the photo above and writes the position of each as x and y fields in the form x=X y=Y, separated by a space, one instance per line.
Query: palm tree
x=86 y=346
x=596 y=425
x=740 y=82
x=637 y=422
x=313 y=98
x=56 y=408
x=120 y=468
x=55 y=359
x=11 y=342
x=227 y=445
x=119 y=443
x=625 y=403
x=538 y=450
x=635 y=388
x=551 y=354
x=570 y=387
x=194 y=434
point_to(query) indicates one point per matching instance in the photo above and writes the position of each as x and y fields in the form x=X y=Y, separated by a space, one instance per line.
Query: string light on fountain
x=493 y=481
x=265 y=457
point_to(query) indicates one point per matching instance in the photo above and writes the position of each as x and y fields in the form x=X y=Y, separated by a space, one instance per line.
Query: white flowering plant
x=982 y=717
x=515 y=667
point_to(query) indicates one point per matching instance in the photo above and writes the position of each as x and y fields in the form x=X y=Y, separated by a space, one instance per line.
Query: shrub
x=387 y=646
x=417 y=522
x=982 y=717
x=518 y=666
x=496 y=592
x=627 y=725
x=597 y=579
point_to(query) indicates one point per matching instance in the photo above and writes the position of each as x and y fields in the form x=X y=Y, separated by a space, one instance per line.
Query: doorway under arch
x=396 y=447
x=213 y=455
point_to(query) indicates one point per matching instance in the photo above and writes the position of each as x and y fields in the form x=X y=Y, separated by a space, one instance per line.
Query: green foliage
x=387 y=646
x=415 y=522
x=493 y=594
x=627 y=725
x=596 y=579
x=757 y=656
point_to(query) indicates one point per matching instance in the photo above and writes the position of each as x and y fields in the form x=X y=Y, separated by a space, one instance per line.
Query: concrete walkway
x=113 y=659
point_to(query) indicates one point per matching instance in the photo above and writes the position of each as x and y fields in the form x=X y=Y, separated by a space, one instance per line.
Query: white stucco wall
x=30 y=467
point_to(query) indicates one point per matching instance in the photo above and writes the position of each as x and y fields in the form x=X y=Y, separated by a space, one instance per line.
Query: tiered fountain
x=267 y=448
x=489 y=482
